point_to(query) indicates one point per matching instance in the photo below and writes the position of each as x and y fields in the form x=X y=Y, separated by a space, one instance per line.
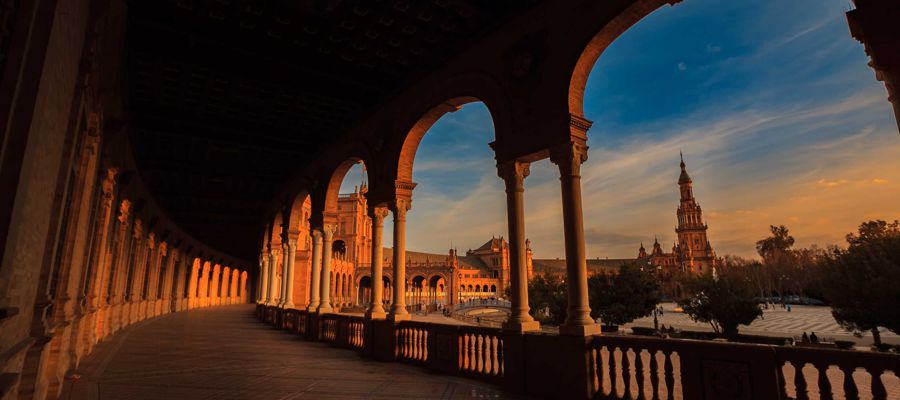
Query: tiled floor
x=225 y=353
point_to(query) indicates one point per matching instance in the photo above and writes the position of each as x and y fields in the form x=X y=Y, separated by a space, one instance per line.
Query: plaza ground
x=775 y=322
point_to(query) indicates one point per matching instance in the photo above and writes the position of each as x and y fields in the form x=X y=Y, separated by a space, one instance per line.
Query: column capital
x=399 y=207
x=569 y=157
x=124 y=208
x=138 y=228
x=109 y=183
x=163 y=249
x=316 y=233
x=151 y=240
x=377 y=213
x=514 y=172
x=328 y=230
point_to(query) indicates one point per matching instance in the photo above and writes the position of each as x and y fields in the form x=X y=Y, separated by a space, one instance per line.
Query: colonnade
x=328 y=292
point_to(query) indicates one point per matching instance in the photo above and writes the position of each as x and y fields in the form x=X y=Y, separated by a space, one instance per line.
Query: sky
x=779 y=118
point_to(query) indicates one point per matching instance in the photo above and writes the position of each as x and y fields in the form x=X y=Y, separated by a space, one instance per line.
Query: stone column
x=270 y=292
x=290 y=251
x=315 y=273
x=193 y=283
x=325 y=301
x=263 y=294
x=578 y=319
x=285 y=264
x=398 y=309
x=513 y=174
x=376 y=309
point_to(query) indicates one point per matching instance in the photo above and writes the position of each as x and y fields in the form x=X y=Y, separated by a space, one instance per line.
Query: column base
x=579 y=330
x=288 y=306
x=376 y=315
x=398 y=317
x=522 y=326
x=322 y=310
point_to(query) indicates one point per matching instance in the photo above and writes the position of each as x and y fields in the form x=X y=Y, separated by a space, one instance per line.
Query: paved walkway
x=225 y=353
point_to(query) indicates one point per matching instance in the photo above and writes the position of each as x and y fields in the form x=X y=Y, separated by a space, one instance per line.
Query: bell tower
x=694 y=250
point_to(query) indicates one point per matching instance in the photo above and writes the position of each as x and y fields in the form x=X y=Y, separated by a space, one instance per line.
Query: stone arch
x=275 y=229
x=599 y=41
x=363 y=288
x=413 y=136
x=296 y=212
x=329 y=197
x=339 y=249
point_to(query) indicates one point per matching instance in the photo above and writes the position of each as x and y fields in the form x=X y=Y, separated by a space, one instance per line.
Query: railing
x=480 y=303
x=481 y=352
x=610 y=366
x=412 y=341
x=329 y=327
x=356 y=329
x=838 y=373
x=301 y=322
x=654 y=374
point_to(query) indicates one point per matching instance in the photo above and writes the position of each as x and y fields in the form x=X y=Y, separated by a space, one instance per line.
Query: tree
x=623 y=297
x=776 y=245
x=724 y=303
x=547 y=298
x=862 y=283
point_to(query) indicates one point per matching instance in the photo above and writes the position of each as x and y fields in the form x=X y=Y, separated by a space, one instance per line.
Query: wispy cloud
x=780 y=124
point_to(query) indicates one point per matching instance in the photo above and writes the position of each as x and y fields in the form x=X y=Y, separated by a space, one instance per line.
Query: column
x=263 y=294
x=513 y=174
x=290 y=253
x=376 y=308
x=192 y=285
x=315 y=272
x=282 y=285
x=270 y=292
x=398 y=309
x=578 y=319
x=325 y=301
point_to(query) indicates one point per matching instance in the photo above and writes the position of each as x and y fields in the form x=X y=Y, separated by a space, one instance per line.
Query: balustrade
x=837 y=373
x=617 y=367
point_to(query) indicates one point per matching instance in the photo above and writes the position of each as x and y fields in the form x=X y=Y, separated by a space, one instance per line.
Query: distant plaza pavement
x=775 y=322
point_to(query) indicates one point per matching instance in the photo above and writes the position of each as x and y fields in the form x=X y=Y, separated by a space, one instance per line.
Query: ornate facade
x=692 y=252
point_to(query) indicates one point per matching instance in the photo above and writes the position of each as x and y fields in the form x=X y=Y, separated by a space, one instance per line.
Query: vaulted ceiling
x=226 y=98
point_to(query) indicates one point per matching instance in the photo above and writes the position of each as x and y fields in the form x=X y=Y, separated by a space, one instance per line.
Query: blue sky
x=779 y=118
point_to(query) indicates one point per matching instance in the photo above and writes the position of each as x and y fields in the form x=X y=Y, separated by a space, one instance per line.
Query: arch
x=275 y=234
x=339 y=249
x=601 y=39
x=436 y=280
x=364 y=287
x=417 y=131
x=297 y=211
x=484 y=288
x=493 y=288
x=332 y=190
